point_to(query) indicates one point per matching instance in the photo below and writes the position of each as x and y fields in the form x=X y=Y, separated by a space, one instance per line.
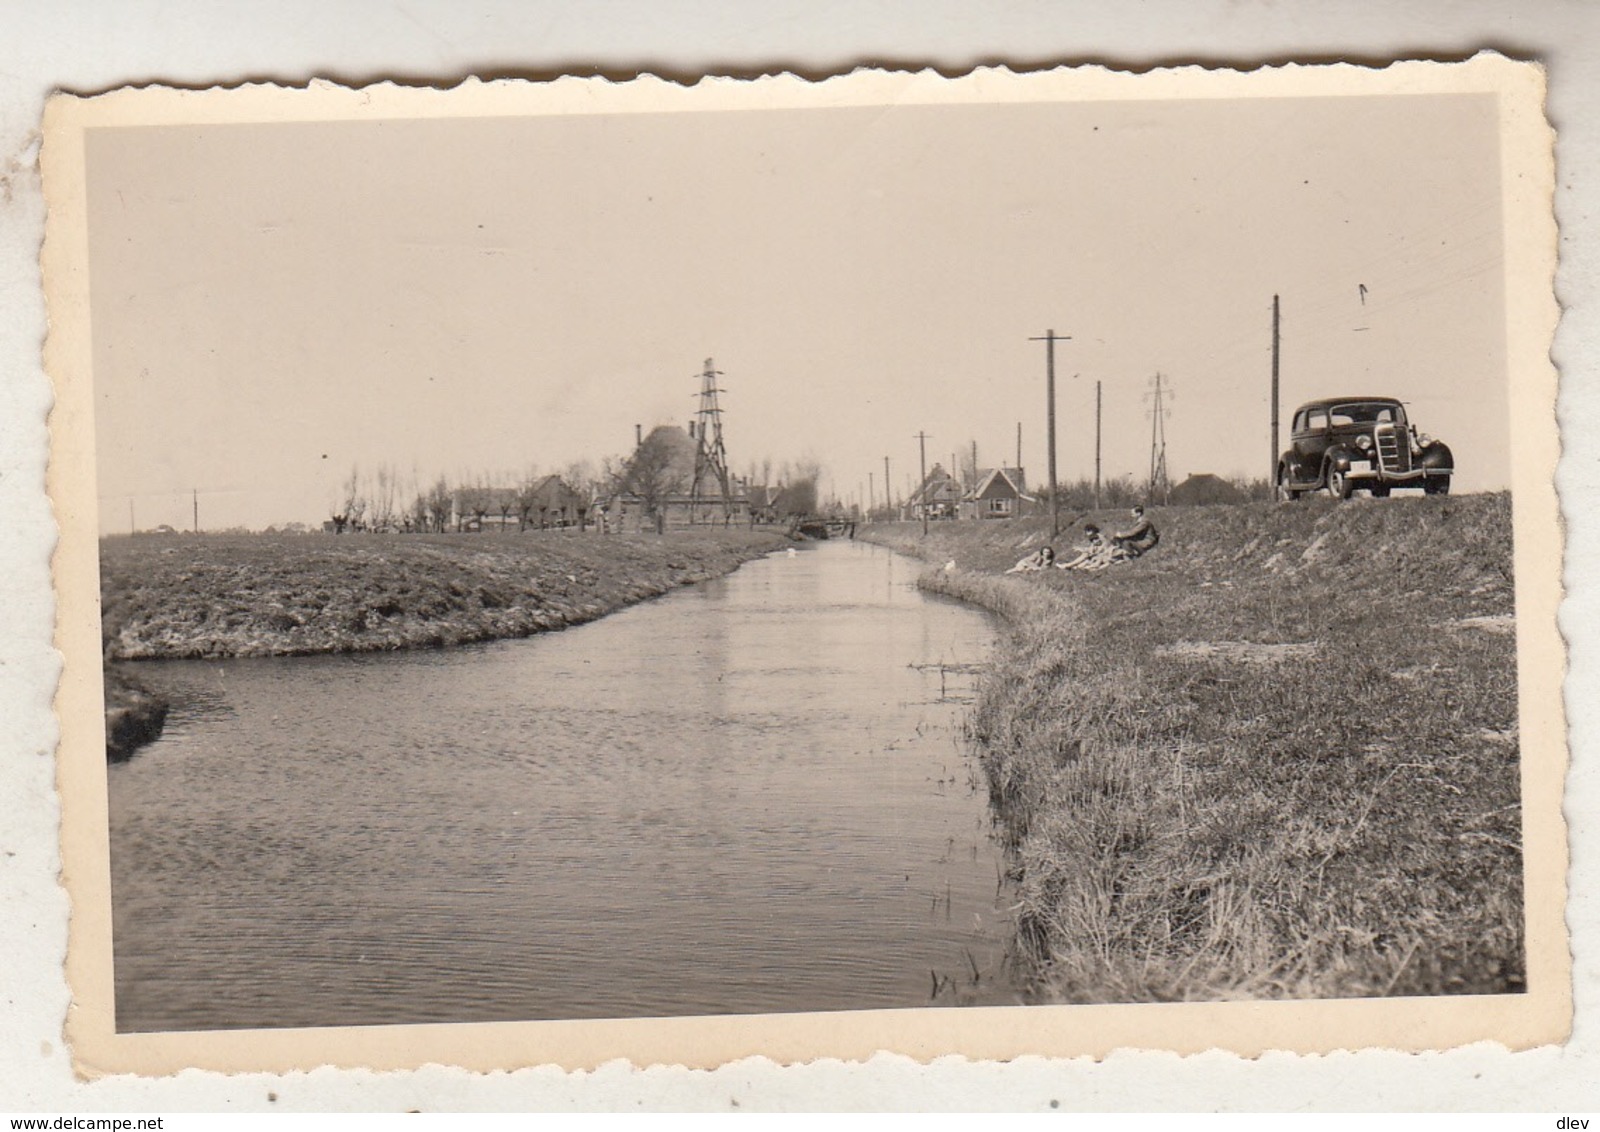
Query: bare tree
x=438 y=505
x=581 y=477
x=586 y=484
x=351 y=504
x=797 y=496
x=613 y=470
x=527 y=499
x=416 y=517
x=383 y=495
x=473 y=503
x=506 y=501
x=650 y=475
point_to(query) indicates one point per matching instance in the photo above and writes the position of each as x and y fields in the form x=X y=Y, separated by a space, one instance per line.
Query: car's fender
x=1437 y=457
x=1339 y=456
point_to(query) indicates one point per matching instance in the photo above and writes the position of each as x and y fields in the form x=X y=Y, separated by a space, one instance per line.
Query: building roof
x=1204 y=487
x=490 y=500
x=939 y=487
x=1000 y=483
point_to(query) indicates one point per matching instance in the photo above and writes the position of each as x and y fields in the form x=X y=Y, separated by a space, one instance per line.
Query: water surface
x=747 y=796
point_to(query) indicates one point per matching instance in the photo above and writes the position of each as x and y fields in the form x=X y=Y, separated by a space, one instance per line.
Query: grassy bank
x=1278 y=757
x=134 y=714
x=265 y=595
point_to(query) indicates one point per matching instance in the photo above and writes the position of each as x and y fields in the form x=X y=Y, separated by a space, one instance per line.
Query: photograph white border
x=1247 y=1028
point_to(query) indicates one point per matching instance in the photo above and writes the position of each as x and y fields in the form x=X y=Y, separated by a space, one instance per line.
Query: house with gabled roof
x=1000 y=493
x=938 y=496
x=551 y=502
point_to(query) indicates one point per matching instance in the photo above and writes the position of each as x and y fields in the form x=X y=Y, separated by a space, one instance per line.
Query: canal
x=748 y=796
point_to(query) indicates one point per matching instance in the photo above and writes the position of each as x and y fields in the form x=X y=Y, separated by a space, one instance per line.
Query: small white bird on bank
x=792 y=552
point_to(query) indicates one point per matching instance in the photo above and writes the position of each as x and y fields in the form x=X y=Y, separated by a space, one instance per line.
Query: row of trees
x=1125 y=491
x=386 y=499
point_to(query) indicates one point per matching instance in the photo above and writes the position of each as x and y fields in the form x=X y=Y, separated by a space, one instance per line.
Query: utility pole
x=888 y=486
x=196 y=510
x=1049 y=339
x=922 y=449
x=1019 y=446
x=872 y=495
x=1097 y=446
x=1272 y=473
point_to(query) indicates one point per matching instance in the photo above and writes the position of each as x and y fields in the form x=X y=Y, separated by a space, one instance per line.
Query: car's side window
x=1317 y=420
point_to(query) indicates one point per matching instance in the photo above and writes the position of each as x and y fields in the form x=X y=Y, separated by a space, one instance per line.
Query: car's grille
x=1394 y=453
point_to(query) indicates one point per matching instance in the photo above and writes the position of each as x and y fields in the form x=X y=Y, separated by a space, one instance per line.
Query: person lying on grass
x=1139 y=538
x=1096 y=555
x=1041 y=559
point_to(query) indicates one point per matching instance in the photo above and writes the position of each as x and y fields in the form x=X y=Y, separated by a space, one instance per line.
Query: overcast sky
x=274 y=303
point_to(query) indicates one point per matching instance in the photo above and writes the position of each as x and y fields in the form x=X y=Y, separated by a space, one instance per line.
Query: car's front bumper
x=1368 y=470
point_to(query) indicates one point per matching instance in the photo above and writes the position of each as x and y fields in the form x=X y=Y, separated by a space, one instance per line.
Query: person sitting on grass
x=1096 y=550
x=1041 y=559
x=1101 y=552
x=1139 y=538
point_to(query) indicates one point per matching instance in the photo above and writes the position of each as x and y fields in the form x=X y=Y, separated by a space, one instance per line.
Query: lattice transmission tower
x=711 y=483
x=1159 y=395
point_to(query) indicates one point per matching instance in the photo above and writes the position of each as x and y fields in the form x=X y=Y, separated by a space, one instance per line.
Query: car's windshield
x=1366 y=412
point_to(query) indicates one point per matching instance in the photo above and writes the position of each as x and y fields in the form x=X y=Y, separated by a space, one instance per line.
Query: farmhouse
x=546 y=502
x=1001 y=493
x=551 y=502
x=657 y=487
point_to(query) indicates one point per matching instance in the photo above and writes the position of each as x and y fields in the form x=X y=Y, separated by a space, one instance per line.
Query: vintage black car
x=1342 y=444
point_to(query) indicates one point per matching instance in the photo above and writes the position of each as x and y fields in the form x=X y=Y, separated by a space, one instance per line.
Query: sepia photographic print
x=1017 y=563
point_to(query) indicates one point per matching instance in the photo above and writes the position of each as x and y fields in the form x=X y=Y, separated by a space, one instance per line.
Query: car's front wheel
x=1286 y=494
x=1338 y=483
x=1436 y=485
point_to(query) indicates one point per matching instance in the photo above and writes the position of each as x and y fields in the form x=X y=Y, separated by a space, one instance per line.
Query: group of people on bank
x=1100 y=550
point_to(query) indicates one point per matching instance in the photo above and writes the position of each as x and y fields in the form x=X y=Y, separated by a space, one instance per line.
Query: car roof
x=1324 y=402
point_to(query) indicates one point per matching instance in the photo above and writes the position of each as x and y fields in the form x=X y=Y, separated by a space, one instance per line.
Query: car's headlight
x=1364 y=443
x=1424 y=440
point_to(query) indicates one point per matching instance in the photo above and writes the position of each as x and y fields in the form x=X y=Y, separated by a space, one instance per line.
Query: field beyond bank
x=1277 y=757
